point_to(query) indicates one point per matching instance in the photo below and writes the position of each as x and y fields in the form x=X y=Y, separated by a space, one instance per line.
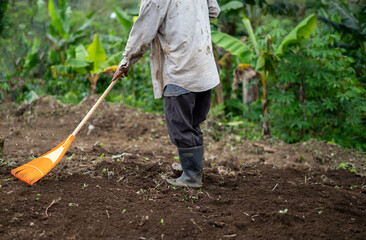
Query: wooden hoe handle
x=91 y=111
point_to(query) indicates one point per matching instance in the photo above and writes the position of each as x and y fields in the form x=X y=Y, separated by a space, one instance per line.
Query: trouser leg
x=184 y=114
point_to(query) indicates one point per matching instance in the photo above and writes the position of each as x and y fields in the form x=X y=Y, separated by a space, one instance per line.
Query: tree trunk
x=219 y=99
x=219 y=96
x=266 y=133
x=93 y=79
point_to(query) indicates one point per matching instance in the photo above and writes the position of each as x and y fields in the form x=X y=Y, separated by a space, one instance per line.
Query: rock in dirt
x=219 y=224
x=90 y=129
x=144 y=220
x=177 y=169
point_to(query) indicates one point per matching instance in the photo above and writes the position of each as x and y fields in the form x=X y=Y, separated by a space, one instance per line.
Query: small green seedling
x=84 y=186
x=194 y=198
x=7 y=179
x=347 y=166
x=162 y=221
x=37 y=198
x=185 y=198
x=124 y=211
x=283 y=211
x=73 y=205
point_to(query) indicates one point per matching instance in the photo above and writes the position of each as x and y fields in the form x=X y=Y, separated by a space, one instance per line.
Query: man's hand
x=120 y=73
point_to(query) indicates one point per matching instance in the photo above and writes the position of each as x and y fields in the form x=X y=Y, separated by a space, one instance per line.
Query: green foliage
x=3 y=7
x=316 y=94
x=348 y=20
x=124 y=19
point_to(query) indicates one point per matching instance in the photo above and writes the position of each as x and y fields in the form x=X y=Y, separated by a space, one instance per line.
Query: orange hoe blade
x=36 y=169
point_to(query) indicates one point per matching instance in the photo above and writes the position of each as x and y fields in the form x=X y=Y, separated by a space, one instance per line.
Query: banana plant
x=91 y=61
x=264 y=60
x=60 y=32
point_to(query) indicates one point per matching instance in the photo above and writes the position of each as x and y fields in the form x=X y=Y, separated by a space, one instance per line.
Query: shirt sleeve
x=213 y=8
x=143 y=31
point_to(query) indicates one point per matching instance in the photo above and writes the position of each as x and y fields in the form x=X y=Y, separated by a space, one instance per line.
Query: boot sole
x=175 y=183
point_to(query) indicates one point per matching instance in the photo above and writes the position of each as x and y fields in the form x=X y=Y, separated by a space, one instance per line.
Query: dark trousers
x=184 y=114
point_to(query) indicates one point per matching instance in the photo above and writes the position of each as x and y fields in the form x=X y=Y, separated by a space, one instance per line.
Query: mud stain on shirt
x=167 y=49
x=208 y=50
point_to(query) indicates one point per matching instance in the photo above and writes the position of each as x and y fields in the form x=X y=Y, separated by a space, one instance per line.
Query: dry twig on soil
x=53 y=202
x=265 y=148
x=196 y=225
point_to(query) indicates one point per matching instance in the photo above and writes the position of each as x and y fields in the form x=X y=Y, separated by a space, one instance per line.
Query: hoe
x=34 y=170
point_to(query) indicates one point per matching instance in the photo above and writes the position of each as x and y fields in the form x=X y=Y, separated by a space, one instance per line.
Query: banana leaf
x=97 y=54
x=298 y=34
x=56 y=18
x=233 y=45
x=231 y=6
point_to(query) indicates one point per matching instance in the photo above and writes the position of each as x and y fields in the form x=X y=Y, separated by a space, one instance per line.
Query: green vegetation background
x=316 y=90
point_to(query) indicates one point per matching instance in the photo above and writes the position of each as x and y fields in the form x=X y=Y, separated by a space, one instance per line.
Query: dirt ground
x=110 y=184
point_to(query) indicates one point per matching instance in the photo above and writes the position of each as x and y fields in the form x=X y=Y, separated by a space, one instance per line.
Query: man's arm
x=213 y=8
x=142 y=33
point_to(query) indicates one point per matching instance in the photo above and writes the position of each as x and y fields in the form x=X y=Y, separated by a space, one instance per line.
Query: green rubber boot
x=177 y=167
x=191 y=160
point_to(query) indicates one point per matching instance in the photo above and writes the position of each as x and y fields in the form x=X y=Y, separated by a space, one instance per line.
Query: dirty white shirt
x=179 y=36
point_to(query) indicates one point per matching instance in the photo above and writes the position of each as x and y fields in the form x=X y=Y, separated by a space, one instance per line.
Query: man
x=183 y=69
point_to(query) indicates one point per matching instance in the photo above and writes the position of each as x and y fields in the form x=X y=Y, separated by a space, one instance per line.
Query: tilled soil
x=110 y=184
